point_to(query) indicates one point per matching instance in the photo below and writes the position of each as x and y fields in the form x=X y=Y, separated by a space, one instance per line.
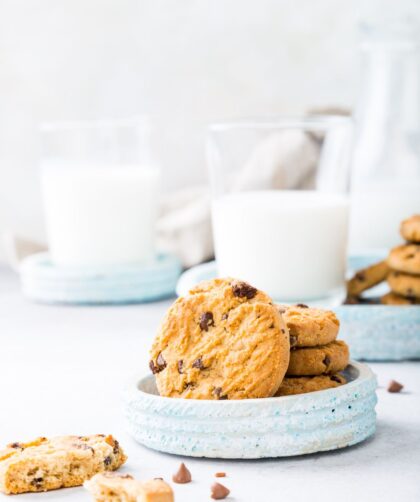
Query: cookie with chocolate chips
x=410 y=229
x=224 y=340
x=309 y=327
x=404 y=284
x=366 y=278
x=405 y=259
x=328 y=359
x=305 y=384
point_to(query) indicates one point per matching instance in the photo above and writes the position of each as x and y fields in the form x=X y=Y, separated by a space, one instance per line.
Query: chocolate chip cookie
x=404 y=284
x=394 y=299
x=329 y=358
x=224 y=340
x=113 y=487
x=367 y=278
x=309 y=327
x=405 y=259
x=410 y=229
x=304 y=384
x=64 y=461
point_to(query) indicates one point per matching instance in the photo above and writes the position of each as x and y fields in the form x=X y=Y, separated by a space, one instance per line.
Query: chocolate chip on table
x=220 y=474
x=395 y=386
x=219 y=491
x=326 y=361
x=206 y=320
x=182 y=476
x=159 y=366
x=302 y=305
x=244 y=290
x=198 y=363
x=180 y=366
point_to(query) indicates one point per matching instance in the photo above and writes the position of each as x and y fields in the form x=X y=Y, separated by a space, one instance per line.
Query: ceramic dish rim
x=364 y=373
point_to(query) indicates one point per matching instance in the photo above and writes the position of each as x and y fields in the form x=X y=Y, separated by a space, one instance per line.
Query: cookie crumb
x=182 y=476
x=220 y=474
x=395 y=386
x=219 y=491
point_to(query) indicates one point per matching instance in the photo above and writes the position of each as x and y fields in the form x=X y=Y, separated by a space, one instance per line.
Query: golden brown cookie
x=115 y=487
x=404 y=284
x=394 y=299
x=304 y=384
x=224 y=340
x=410 y=229
x=405 y=258
x=48 y=464
x=367 y=278
x=309 y=327
x=329 y=358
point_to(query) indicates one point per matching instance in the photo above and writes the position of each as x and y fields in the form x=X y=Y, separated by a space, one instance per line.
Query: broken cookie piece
x=115 y=487
x=47 y=464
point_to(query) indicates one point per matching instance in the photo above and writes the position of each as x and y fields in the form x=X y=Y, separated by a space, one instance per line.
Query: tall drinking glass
x=280 y=205
x=100 y=190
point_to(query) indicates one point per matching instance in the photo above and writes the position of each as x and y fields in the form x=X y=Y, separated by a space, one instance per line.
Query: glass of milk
x=280 y=205
x=100 y=191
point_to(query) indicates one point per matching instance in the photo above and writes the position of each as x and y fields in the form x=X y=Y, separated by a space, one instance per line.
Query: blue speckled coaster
x=122 y=284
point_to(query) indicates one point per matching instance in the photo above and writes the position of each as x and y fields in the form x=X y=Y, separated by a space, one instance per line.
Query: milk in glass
x=291 y=244
x=100 y=214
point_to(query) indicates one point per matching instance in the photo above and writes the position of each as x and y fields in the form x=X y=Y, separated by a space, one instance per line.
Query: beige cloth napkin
x=283 y=160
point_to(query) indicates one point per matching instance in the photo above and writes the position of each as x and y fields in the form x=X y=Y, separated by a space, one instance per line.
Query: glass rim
x=313 y=122
x=91 y=124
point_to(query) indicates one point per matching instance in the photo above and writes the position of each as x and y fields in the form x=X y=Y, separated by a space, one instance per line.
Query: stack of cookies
x=401 y=270
x=316 y=357
x=404 y=264
x=227 y=340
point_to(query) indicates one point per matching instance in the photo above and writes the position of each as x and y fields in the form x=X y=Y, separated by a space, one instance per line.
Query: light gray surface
x=62 y=370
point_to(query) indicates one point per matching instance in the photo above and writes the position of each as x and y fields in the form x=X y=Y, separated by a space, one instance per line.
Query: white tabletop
x=62 y=371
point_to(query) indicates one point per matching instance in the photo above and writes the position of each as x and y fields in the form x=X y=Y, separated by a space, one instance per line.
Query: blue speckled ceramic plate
x=42 y=281
x=254 y=428
x=373 y=332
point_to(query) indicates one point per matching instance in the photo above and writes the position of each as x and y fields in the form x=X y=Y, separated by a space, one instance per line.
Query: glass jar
x=385 y=180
